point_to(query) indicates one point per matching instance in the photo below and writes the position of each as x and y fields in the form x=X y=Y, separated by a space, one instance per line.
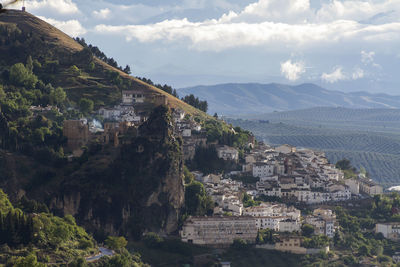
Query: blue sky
x=347 y=45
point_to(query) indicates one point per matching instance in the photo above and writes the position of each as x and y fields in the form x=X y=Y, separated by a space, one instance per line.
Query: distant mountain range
x=254 y=98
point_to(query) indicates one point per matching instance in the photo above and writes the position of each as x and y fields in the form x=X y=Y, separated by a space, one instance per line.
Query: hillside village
x=285 y=177
x=284 y=174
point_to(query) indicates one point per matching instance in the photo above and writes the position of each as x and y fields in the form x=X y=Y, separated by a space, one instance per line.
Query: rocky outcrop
x=128 y=190
x=141 y=189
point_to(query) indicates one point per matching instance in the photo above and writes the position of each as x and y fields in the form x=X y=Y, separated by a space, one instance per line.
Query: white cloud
x=70 y=27
x=217 y=35
x=63 y=7
x=102 y=13
x=358 y=74
x=292 y=70
x=335 y=76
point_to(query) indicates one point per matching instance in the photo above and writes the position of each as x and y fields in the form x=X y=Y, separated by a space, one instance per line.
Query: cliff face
x=129 y=190
x=141 y=189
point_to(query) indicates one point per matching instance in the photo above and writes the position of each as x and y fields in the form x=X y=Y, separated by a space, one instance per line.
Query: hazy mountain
x=253 y=98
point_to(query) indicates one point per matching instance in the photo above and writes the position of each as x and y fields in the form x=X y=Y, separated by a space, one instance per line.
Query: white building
x=227 y=153
x=132 y=97
x=354 y=186
x=218 y=231
x=323 y=221
x=263 y=169
x=389 y=230
x=289 y=225
x=370 y=187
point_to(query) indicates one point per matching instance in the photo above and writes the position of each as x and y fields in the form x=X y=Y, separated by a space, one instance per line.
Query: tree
x=344 y=164
x=196 y=102
x=127 y=69
x=364 y=250
x=116 y=242
x=86 y=105
x=307 y=230
x=259 y=239
x=2 y=93
x=19 y=75
x=58 y=96
x=189 y=177
x=196 y=200
x=28 y=261
x=29 y=64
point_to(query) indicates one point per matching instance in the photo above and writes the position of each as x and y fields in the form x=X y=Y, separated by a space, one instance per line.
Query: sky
x=347 y=45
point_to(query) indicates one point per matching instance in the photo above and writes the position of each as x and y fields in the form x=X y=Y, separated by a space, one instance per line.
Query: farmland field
x=369 y=138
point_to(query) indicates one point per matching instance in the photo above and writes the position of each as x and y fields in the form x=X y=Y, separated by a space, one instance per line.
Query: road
x=103 y=252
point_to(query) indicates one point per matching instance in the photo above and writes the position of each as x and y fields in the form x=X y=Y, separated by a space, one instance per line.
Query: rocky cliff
x=128 y=190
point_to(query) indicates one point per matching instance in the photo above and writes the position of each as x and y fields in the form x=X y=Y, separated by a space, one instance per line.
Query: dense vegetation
x=197 y=202
x=23 y=130
x=53 y=238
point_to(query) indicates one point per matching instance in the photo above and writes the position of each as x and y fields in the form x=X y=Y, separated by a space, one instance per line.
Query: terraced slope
x=369 y=137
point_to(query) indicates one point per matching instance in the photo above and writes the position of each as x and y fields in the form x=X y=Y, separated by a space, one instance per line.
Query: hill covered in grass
x=368 y=137
x=56 y=54
x=253 y=98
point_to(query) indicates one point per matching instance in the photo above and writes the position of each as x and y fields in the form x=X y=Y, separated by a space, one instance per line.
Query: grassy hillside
x=24 y=34
x=369 y=138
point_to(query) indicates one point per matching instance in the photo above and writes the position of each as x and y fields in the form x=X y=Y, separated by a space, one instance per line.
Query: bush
x=74 y=70
x=86 y=105
x=152 y=240
x=307 y=230
x=116 y=242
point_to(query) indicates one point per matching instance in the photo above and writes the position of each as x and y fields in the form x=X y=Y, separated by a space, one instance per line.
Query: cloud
x=102 y=13
x=216 y=35
x=271 y=22
x=70 y=27
x=367 y=57
x=358 y=74
x=335 y=76
x=63 y=7
x=292 y=71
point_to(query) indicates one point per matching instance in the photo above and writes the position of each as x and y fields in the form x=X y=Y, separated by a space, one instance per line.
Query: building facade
x=218 y=230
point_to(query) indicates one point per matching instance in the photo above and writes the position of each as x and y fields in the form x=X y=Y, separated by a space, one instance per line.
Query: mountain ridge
x=257 y=98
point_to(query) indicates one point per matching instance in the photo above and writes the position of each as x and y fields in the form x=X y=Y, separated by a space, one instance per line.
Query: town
x=283 y=178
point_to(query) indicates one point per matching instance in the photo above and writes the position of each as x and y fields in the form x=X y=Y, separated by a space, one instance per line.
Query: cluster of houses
x=223 y=230
x=134 y=109
x=302 y=176
x=225 y=193
x=299 y=176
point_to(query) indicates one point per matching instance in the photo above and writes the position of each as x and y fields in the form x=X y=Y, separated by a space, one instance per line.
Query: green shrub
x=152 y=240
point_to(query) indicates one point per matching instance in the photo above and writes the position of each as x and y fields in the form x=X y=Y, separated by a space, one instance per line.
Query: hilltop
x=57 y=52
x=253 y=98
x=124 y=177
